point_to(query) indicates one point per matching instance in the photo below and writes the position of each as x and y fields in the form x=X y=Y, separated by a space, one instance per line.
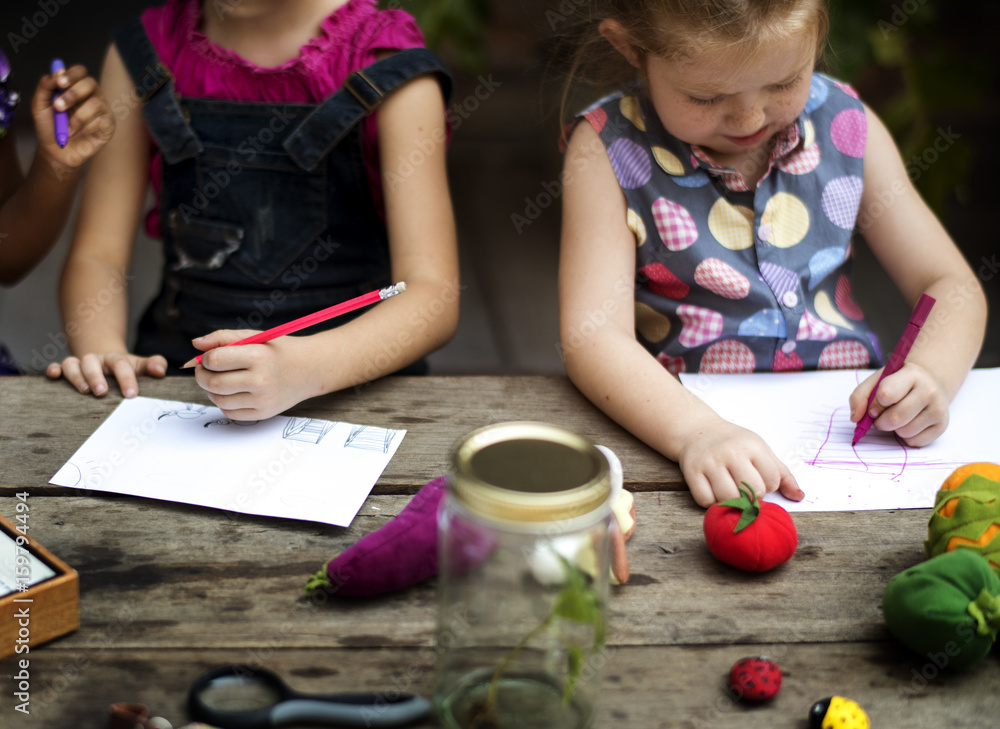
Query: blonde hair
x=679 y=29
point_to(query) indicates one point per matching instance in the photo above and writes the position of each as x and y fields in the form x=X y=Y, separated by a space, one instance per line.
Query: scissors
x=247 y=697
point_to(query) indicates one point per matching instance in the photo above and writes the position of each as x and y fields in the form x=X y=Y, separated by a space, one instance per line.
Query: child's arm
x=33 y=211
x=251 y=382
x=93 y=295
x=920 y=257
x=608 y=365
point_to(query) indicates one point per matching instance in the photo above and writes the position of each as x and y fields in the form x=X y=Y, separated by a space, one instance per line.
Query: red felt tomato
x=749 y=534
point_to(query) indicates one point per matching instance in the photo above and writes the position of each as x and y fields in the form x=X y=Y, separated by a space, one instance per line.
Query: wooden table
x=169 y=590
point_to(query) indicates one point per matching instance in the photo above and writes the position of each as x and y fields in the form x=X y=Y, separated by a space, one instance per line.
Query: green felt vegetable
x=946 y=609
x=967 y=513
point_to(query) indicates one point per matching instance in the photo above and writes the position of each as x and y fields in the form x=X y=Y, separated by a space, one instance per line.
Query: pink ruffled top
x=349 y=39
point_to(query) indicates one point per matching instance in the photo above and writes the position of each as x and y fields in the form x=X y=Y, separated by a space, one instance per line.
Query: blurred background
x=925 y=66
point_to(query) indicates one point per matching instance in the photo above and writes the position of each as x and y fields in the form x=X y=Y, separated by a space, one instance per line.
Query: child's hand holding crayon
x=91 y=123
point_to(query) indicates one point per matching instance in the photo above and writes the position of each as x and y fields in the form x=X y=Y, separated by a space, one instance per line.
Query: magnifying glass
x=246 y=697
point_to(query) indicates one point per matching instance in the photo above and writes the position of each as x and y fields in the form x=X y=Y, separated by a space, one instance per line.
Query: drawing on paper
x=188 y=412
x=249 y=467
x=879 y=454
x=370 y=438
x=306 y=430
x=230 y=421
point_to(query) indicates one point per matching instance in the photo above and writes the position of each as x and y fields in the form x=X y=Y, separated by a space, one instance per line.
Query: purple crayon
x=61 y=120
x=897 y=359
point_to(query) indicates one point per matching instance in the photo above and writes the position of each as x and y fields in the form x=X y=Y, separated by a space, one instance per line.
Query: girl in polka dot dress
x=709 y=209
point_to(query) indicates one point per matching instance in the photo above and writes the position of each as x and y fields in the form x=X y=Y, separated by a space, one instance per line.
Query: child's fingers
x=123 y=370
x=788 y=486
x=924 y=429
x=54 y=371
x=221 y=382
x=90 y=111
x=71 y=370
x=749 y=477
x=701 y=490
x=221 y=338
x=82 y=90
x=155 y=366
x=858 y=400
x=49 y=84
x=92 y=367
x=891 y=391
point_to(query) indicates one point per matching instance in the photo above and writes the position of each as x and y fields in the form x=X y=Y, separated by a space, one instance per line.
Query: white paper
x=804 y=417
x=295 y=468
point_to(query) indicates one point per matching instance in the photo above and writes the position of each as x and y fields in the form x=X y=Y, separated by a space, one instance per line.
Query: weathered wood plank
x=44 y=422
x=197 y=577
x=645 y=687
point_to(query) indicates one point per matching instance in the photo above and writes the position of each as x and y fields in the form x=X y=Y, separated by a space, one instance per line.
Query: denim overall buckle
x=158 y=76
x=348 y=84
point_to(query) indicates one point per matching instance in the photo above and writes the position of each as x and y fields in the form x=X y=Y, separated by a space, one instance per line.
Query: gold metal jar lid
x=531 y=472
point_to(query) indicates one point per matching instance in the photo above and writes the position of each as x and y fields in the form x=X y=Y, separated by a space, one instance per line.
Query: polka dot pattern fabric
x=733 y=279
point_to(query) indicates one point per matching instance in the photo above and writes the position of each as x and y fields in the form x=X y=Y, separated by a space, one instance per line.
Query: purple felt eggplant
x=400 y=554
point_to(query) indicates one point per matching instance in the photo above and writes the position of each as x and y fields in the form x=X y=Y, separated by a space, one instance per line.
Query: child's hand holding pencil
x=263 y=381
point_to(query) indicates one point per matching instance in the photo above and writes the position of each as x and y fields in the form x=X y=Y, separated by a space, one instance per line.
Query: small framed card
x=38 y=592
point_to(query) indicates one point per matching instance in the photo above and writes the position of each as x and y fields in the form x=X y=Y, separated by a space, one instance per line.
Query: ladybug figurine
x=755 y=679
x=837 y=712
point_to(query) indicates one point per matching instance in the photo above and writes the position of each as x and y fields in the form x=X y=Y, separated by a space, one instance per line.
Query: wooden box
x=47 y=609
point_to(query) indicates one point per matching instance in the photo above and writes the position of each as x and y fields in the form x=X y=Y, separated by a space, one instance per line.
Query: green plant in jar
x=577 y=602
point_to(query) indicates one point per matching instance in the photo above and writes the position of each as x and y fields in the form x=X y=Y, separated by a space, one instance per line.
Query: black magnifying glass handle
x=252 y=697
x=351 y=710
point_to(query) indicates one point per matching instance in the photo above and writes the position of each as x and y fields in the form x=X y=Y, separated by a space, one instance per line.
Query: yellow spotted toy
x=837 y=712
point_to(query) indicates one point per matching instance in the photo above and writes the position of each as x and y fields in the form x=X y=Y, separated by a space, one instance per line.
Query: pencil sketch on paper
x=230 y=421
x=293 y=468
x=370 y=438
x=879 y=454
x=188 y=412
x=306 y=430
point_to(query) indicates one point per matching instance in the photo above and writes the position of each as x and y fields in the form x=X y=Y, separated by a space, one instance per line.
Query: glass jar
x=523 y=540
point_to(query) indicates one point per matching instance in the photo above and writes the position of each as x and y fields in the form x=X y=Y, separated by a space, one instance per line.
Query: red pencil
x=309 y=319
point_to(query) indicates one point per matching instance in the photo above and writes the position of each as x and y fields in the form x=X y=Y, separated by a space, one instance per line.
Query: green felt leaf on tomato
x=750 y=534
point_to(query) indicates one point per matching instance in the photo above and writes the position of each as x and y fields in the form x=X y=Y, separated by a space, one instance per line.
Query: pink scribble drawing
x=879 y=454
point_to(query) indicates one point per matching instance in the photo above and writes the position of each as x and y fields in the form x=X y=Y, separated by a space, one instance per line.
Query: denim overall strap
x=361 y=93
x=154 y=87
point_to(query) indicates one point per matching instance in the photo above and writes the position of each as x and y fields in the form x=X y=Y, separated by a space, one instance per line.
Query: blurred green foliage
x=915 y=73
x=457 y=25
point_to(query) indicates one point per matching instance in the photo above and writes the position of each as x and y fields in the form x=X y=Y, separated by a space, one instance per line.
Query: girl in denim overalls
x=280 y=192
x=709 y=212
